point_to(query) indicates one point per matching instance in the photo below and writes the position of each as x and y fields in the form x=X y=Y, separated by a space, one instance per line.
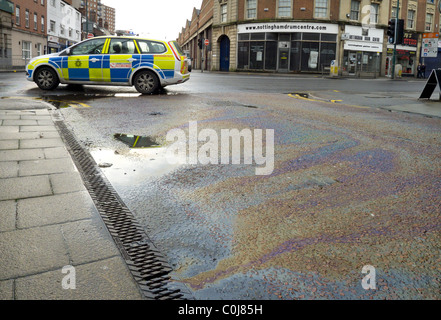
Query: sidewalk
x=48 y=220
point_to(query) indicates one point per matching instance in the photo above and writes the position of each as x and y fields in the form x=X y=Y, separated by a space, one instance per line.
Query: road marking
x=297 y=96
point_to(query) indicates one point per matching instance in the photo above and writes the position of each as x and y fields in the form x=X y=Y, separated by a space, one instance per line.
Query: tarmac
x=53 y=242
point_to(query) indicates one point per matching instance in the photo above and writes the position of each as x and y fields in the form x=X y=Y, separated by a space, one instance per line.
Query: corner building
x=296 y=36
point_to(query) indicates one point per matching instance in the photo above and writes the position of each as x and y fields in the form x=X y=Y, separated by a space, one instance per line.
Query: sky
x=157 y=19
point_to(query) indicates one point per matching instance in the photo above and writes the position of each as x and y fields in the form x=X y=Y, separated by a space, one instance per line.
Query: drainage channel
x=148 y=266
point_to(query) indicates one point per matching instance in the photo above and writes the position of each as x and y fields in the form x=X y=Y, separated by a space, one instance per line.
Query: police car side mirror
x=67 y=51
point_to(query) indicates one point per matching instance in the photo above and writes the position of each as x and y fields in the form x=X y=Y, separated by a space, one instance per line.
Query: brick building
x=307 y=35
x=29 y=35
x=6 y=11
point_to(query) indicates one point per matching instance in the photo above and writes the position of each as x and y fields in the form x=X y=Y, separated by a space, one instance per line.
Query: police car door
x=121 y=59
x=85 y=61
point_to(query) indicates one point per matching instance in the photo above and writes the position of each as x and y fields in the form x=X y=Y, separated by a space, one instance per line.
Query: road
x=356 y=182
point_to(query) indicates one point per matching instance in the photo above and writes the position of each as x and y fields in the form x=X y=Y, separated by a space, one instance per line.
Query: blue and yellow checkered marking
x=108 y=67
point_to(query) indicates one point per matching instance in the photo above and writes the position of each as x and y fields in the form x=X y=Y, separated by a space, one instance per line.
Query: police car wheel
x=46 y=79
x=146 y=82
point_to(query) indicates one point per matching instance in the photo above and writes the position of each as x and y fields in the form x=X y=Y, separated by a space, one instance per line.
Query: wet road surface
x=351 y=187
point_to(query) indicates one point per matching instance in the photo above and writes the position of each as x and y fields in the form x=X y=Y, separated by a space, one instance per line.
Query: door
x=352 y=63
x=84 y=62
x=224 y=54
x=283 y=56
x=121 y=58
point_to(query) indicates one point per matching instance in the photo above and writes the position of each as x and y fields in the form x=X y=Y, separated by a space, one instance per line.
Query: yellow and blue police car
x=122 y=61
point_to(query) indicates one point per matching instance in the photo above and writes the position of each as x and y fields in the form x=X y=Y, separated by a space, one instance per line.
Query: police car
x=123 y=61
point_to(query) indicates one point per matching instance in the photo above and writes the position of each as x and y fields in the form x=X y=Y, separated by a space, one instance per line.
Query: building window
x=52 y=26
x=411 y=19
x=61 y=29
x=375 y=10
x=393 y=13
x=35 y=21
x=42 y=2
x=284 y=9
x=42 y=24
x=355 y=10
x=17 y=15
x=70 y=32
x=39 y=48
x=224 y=13
x=53 y=3
x=321 y=8
x=26 y=49
x=27 y=18
x=429 y=21
x=251 y=9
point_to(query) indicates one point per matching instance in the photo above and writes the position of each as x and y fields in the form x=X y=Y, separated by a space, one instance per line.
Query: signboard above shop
x=289 y=27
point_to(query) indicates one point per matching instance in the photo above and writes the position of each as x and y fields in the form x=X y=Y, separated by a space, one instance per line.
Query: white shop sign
x=288 y=27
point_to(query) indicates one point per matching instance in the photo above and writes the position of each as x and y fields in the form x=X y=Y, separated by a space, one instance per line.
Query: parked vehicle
x=123 y=61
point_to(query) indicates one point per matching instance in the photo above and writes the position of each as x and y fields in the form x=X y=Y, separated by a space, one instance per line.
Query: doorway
x=283 y=56
x=224 y=54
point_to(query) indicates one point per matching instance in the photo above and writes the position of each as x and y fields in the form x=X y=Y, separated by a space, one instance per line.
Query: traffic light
x=391 y=30
x=400 y=32
x=399 y=36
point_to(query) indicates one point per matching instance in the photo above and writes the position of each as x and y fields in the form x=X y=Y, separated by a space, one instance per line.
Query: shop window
x=311 y=36
x=244 y=36
x=295 y=55
x=272 y=36
x=243 y=55
x=256 y=55
x=271 y=55
x=258 y=36
x=329 y=37
x=327 y=53
x=310 y=56
x=284 y=37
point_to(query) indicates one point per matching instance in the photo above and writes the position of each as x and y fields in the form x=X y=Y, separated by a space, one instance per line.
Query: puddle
x=134 y=167
x=136 y=141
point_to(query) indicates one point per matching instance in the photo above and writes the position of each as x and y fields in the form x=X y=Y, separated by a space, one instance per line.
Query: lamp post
x=394 y=57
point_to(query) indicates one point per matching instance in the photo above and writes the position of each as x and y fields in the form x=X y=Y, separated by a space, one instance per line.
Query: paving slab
x=56 y=153
x=41 y=143
x=20 y=123
x=31 y=251
x=21 y=155
x=28 y=135
x=54 y=209
x=24 y=187
x=101 y=280
x=66 y=183
x=47 y=166
x=8 y=169
x=8 y=211
x=10 y=128
x=8 y=144
x=37 y=128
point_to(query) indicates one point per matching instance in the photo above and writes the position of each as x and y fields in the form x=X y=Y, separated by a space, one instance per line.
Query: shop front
x=363 y=49
x=406 y=55
x=53 y=45
x=286 y=47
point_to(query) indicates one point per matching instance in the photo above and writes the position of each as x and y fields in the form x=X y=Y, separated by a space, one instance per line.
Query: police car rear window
x=151 y=46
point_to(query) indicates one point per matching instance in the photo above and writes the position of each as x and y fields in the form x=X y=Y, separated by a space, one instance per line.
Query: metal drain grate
x=147 y=265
